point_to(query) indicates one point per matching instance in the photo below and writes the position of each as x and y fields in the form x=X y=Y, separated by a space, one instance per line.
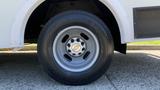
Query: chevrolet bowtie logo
x=76 y=47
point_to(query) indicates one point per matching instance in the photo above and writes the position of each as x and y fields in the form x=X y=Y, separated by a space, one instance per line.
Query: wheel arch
x=20 y=22
x=19 y=26
x=122 y=19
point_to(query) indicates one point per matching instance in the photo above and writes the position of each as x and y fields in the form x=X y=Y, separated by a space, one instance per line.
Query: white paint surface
x=15 y=14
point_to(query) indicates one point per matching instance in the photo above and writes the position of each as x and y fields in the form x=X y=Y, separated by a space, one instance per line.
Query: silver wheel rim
x=76 y=49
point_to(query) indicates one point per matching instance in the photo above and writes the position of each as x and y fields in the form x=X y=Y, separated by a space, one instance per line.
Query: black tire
x=57 y=24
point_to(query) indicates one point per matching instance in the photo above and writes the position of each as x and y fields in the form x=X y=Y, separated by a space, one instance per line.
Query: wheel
x=75 y=48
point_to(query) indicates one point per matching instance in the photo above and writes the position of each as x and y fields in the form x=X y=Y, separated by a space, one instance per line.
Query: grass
x=146 y=43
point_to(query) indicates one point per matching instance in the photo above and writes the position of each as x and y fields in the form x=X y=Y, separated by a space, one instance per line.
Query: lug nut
x=78 y=40
x=82 y=43
x=69 y=50
x=68 y=45
x=72 y=40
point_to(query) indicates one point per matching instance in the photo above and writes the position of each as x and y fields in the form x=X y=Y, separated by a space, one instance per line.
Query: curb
x=28 y=47
x=33 y=47
x=143 y=47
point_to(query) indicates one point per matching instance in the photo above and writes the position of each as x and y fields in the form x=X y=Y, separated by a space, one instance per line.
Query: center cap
x=76 y=46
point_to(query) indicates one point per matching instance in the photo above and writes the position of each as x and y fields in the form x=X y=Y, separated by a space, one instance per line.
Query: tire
x=75 y=48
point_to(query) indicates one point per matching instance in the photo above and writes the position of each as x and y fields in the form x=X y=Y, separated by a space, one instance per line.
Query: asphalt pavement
x=138 y=70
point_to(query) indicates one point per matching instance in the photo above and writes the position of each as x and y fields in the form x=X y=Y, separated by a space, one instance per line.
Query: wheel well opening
x=35 y=23
x=50 y=8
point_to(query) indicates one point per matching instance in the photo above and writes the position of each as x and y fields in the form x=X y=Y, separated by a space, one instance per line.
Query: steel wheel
x=76 y=48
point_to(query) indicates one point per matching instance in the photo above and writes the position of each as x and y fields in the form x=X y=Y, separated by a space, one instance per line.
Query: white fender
x=21 y=19
x=18 y=28
x=123 y=19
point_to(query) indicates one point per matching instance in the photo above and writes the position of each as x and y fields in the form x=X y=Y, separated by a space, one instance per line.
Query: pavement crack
x=111 y=82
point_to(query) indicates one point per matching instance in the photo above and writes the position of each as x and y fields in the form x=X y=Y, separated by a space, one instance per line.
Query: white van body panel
x=15 y=14
x=8 y=11
x=123 y=12
x=129 y=5
x=13 y=18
